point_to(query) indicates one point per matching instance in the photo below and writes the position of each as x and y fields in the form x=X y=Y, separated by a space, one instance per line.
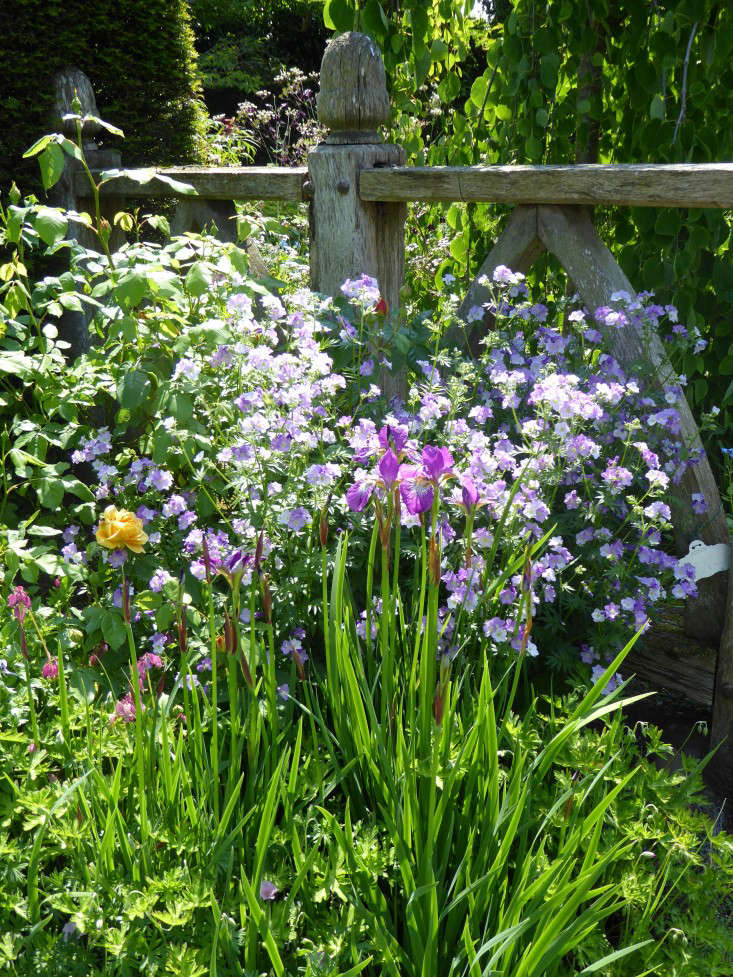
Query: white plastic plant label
x=707 y=560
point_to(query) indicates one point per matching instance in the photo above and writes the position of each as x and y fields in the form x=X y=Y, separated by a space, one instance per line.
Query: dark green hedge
x=139 y=56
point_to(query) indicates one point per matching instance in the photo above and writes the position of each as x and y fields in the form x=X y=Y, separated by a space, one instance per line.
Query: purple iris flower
x=358 y=495
x=437 y=462
x=469 y=492
x=389 y=471
x=393 y=436
x=389 y=468
x=419 y=484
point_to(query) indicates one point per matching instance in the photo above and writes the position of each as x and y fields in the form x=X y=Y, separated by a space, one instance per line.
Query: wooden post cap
x=69 y=83
x=353 y=100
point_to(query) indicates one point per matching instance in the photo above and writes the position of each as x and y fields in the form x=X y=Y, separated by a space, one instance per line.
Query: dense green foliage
x=140 y=60
x=244 y=44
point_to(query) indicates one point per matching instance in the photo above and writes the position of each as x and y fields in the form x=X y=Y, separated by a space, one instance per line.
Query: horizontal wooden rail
x=214 y=183
x=632 y=184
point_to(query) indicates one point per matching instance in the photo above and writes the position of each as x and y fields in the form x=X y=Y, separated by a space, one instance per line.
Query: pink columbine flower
x=125 y=709
x=51 y=669
x=20 y=602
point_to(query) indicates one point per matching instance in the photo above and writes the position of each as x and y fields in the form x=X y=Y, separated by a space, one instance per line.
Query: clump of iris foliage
x=346 y=698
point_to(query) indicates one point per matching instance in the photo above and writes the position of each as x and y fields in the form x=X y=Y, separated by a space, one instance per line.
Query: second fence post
x=350 y=237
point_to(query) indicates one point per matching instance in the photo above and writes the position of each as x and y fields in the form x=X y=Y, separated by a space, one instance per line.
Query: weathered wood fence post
x=350 y=236
x=68 y=84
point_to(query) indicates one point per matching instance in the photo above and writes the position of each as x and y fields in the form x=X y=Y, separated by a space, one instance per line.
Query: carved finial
x=353 y=100
x=69 y=83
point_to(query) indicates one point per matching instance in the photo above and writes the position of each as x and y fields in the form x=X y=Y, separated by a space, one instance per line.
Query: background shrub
x=244 y=44
x=139 y=57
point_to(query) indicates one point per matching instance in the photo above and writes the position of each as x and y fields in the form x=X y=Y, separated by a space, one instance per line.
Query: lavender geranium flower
x=268 y=891
x=699 y=505
x=364 y=289
x=295 y=519
x=160 y=479
x=158 y=580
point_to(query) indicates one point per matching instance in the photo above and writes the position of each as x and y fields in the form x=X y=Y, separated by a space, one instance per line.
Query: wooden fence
x=357 y=187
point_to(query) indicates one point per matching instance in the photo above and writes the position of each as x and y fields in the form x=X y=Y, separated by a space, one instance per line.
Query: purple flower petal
x=268 y=890
x=436 y=461
x=469 y=492
x=417 y=495
x=393 y=436
x=358 y=495
x=389 y=467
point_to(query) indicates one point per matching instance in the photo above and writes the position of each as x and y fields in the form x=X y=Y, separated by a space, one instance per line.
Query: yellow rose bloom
x=119 y=528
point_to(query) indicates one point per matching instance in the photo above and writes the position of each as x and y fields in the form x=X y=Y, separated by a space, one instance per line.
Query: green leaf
x=140 y=175
x=549 y=65
x=656 y=108
x=50 y=224
x=533 y=149
x=198 y=279
x=131 y=288
x=70 y=148
x=36 y=530
x=668 y=222
x=459 y=247
x=373 y=20
x=439 y=50
x=38 y=146
x=338 y=15
x=70 y=300
x=105 y=125
x=177 y=185
x=50 y=492
x=133 y=389
x=449 y=87
x=160 y=223
x=478 y=90
x=51 y=162
x=611 y=957
x=77 y=488
x=113 y=628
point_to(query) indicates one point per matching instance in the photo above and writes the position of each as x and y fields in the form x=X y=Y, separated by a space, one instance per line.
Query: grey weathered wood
x=517 y=248
x=350 y=236
x=352 y=101
x=197 y=214
x=568 y=233
x=221 y=183
x=634 y=184
x=668 y=658
x=69 y=84
x=722 y=724
x=72 y=192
